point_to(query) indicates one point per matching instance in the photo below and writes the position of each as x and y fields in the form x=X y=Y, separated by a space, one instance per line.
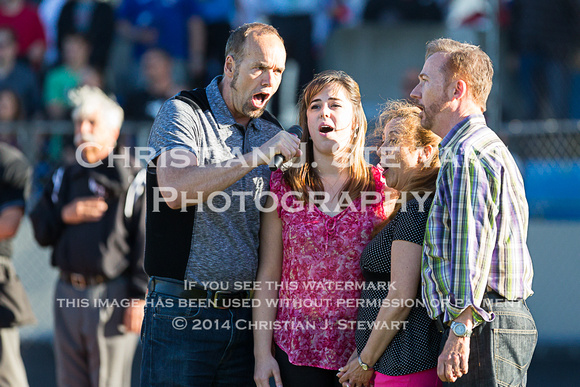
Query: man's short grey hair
x=87 y=100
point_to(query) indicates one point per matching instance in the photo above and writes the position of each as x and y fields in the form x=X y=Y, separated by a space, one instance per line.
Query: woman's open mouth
x=325 y=129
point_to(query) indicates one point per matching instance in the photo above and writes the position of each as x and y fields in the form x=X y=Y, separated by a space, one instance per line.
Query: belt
x=494 y=296
x=219 y=299
x=81 y=281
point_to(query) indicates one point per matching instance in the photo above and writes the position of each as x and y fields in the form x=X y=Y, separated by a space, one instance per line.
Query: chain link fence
x=548 y=153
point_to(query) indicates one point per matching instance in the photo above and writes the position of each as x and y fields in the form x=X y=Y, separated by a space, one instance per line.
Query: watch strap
x=363 y=365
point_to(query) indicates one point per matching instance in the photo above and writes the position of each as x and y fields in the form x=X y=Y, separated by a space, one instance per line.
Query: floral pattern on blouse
x=321 y=276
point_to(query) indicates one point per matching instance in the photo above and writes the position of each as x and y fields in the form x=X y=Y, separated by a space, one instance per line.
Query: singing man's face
x=257 y=75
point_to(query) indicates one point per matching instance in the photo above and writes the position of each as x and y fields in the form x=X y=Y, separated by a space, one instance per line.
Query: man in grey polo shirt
x=205 y=183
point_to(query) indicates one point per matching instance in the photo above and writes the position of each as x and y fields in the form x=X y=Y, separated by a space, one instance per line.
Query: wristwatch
x=363 y=365
x=460 y=330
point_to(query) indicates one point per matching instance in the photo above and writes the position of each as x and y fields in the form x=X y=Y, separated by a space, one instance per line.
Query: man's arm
x=10 y=218
x=84 y=209
x=454 y=359
x=269 y=274
x=473 y=208
x=182 y=180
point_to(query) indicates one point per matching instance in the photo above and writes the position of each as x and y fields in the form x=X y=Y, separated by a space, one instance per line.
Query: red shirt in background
x=26 y=25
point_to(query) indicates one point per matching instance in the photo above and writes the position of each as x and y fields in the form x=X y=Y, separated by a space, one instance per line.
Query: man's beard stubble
x=247 y=108
x=429 y=114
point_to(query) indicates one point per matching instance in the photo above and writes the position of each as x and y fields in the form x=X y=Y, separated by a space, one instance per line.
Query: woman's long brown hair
x=305 y=178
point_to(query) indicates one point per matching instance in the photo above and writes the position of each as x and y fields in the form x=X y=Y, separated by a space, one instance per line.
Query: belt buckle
x=78 y=281
x=215 y=296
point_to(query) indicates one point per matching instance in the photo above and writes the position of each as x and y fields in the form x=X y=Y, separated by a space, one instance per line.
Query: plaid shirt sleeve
x=473 y=208
x=460 y=237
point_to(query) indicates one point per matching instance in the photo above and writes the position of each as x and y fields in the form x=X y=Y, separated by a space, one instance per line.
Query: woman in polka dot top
x=395 y=337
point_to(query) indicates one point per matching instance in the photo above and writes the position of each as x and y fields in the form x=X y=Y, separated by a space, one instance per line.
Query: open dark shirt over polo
x=223 y=245
x=110 y=247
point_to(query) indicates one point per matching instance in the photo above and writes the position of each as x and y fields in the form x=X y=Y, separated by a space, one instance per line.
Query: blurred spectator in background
x=247 y=11
x=471 y=14
x=10 y=106
x=17 y=76
x=143 y=104
x=93 y=77
x=15 y=309
x=96 y=21
x=10 y=111
x=347 y=12
x=49 y=12
x=168 y=24
x=207 y=56
x=60 y=80
x=23 y=19
x=92 y=214
x=397 y=10
x=408 y=83
x=575 y=97
x=294 y=20
x=546 y=35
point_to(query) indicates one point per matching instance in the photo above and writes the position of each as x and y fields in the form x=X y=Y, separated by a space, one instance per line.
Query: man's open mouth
x=260 y=99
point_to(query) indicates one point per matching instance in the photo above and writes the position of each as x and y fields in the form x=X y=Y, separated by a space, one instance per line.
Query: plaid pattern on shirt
x=477 y=227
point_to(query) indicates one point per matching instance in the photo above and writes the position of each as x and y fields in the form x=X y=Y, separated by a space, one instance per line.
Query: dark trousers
x=90 y=345
x=303 y=376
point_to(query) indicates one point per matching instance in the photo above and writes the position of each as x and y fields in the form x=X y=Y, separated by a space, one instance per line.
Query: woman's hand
x=352 y=357
x=352 y=374
x=264 y=368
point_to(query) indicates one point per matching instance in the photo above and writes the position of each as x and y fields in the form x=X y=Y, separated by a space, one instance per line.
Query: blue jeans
x=500 y=351
x=189 y=345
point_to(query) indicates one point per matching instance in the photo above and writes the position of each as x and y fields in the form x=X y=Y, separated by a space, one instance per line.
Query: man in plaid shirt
x=476 y=269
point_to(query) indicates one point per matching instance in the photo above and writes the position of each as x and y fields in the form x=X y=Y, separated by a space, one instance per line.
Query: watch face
x=364 y=366
x=459 y=329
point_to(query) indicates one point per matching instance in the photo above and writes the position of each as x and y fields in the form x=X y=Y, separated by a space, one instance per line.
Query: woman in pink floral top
x=309 y=278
